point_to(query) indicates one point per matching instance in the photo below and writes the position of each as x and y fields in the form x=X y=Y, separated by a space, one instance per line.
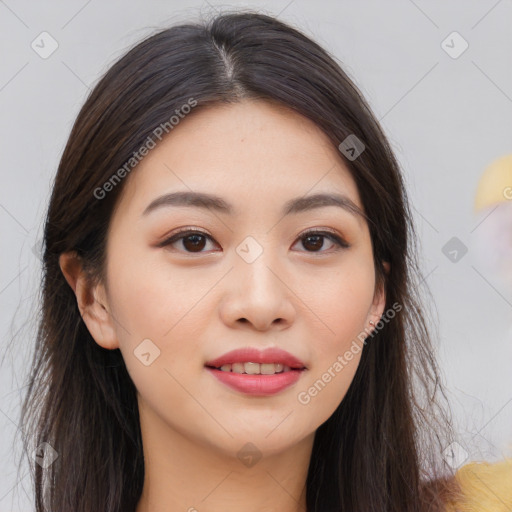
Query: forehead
x=251 y=152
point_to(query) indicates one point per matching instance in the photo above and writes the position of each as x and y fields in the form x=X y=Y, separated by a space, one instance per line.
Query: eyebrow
x=216 y=203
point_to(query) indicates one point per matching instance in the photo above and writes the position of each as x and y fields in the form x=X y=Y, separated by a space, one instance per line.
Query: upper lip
x=254 y=355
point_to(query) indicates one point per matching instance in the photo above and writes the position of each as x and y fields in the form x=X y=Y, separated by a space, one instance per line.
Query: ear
x=91 y=300
x=379 y=299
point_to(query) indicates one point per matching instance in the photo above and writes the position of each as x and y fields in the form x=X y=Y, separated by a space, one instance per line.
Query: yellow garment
x=486 y=487
x=495 y=184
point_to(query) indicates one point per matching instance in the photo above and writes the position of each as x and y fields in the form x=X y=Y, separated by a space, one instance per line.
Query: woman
x=230 y=315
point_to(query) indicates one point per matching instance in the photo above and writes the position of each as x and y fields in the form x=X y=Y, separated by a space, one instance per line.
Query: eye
x=315 y=240
x=194 y=241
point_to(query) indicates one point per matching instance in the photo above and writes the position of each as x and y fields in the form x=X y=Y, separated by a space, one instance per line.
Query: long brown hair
x=383 y=445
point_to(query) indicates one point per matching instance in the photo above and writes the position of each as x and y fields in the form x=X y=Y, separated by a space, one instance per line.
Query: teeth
x=252 y=368
x=268 y=368
x=255 y=368
x=238 y=367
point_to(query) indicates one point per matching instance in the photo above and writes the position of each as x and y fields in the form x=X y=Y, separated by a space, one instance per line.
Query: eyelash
x=331 y=235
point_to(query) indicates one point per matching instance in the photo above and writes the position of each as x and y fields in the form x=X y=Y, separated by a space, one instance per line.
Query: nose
x=258 y=294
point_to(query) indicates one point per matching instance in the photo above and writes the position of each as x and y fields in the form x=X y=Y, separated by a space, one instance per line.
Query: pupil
x=318 y=238
x=196 y=244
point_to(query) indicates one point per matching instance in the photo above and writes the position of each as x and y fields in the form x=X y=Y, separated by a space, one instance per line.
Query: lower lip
x=257 y=385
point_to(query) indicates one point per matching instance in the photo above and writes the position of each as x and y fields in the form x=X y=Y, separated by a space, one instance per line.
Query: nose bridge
x=253 y=267
x=257 y=293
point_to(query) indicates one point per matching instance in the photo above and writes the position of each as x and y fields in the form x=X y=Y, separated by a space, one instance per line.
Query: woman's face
x=247 y=277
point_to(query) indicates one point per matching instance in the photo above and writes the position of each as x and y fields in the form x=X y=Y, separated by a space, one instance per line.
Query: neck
x=182 y=474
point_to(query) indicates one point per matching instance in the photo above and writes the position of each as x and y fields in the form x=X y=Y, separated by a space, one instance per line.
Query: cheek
x=152 y=301
x=339 y=309
x=149 y=297
x=325 y=389
x=341 y=302
x=336 y=352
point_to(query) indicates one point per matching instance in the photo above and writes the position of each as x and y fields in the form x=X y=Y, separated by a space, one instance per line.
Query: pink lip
x=245 y=355
x=257 y=385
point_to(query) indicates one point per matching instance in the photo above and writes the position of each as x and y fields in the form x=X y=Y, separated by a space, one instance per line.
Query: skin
x=304 y=297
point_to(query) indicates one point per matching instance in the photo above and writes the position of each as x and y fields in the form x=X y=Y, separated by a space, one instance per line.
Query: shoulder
x=485 y=487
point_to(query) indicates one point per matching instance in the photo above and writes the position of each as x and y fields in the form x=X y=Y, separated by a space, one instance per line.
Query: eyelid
x=326 y=231
x=187 y=229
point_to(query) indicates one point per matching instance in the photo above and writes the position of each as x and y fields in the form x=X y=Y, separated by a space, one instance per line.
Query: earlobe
x=379 y=302
x=91 y=300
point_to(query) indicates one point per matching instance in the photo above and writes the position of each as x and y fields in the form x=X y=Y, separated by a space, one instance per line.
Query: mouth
x=257 y=373
x=256 y=384
x=252 y=368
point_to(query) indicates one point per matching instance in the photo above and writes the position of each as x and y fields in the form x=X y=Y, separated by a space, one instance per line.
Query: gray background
x=446 y=119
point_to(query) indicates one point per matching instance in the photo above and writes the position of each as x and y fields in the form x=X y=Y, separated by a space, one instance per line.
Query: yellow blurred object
x=495 y=185
x=486 y=487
